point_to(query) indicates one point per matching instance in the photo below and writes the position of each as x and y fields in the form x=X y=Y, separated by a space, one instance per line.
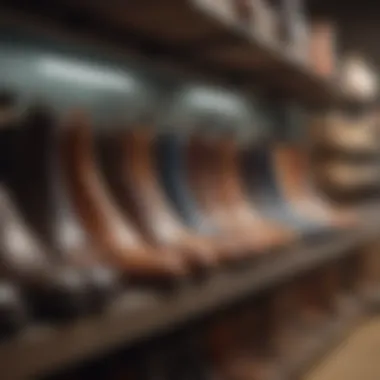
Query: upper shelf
x=185 y=35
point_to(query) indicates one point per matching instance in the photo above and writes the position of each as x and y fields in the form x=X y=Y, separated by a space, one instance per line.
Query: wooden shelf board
x=323 y=342
x=182 y=34
x=136 y=316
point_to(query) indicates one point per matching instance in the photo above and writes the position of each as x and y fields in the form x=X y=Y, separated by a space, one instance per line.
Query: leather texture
x=259 y=175
x=244 y=212
x=214 y=180
x=140 y=195
x=115 y=235
x=203 y=181
x=288 y=160
x=170 y=156
x=54 y=288
x=45 y=203
x=291 y=163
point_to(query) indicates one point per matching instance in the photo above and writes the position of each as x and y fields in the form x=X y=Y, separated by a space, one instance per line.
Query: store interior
x=189 y=189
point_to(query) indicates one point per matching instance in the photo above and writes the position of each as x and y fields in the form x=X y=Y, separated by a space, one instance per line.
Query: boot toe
x=63 y=294
x=104 y=284
x=13 y=313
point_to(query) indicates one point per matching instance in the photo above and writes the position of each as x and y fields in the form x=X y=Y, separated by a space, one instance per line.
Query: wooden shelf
x=320 y=342
x=137 y=316
x=182 y=35
x=371 y=297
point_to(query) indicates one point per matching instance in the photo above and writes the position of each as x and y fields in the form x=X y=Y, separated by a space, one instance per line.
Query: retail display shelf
x=329 y=337
x=183 y=36
x=136 y=315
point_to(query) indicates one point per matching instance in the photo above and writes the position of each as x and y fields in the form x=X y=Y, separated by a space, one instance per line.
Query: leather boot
x=56 y=289
x=171 y=157
x=264 y=190
x=293 y=173
x=204 y=180
x=13 y=309
x=207 y=178
x=116 y=237
x=243 y=212
x=127 y=158
x=47 y=207
x=53 y=289
x=290 y=156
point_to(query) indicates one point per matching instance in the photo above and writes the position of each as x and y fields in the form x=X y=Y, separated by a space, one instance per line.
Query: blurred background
x=189 y=189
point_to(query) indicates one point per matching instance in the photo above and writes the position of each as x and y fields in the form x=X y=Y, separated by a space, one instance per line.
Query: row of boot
x=86 y=209
x=262 y=338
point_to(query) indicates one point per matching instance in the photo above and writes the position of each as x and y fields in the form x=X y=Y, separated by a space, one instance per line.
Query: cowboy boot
x=47 y=207
x=118 y=240
x=128 y=163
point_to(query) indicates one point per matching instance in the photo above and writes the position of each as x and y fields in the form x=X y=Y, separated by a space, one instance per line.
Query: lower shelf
x=371 y=297
x=320 y=342
x=136 y=316
x=357 y=358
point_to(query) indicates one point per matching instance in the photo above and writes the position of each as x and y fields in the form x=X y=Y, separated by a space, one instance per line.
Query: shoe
x=115 y=235
x=127 y=158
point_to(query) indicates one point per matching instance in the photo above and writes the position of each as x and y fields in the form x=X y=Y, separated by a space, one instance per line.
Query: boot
x=54 y=290
x=264 y=190
x=207 y=178
x=127 y=158
x=242 y=211
x=117 y=238
x=291 y=165
x=170 y=151
x=47 y=207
